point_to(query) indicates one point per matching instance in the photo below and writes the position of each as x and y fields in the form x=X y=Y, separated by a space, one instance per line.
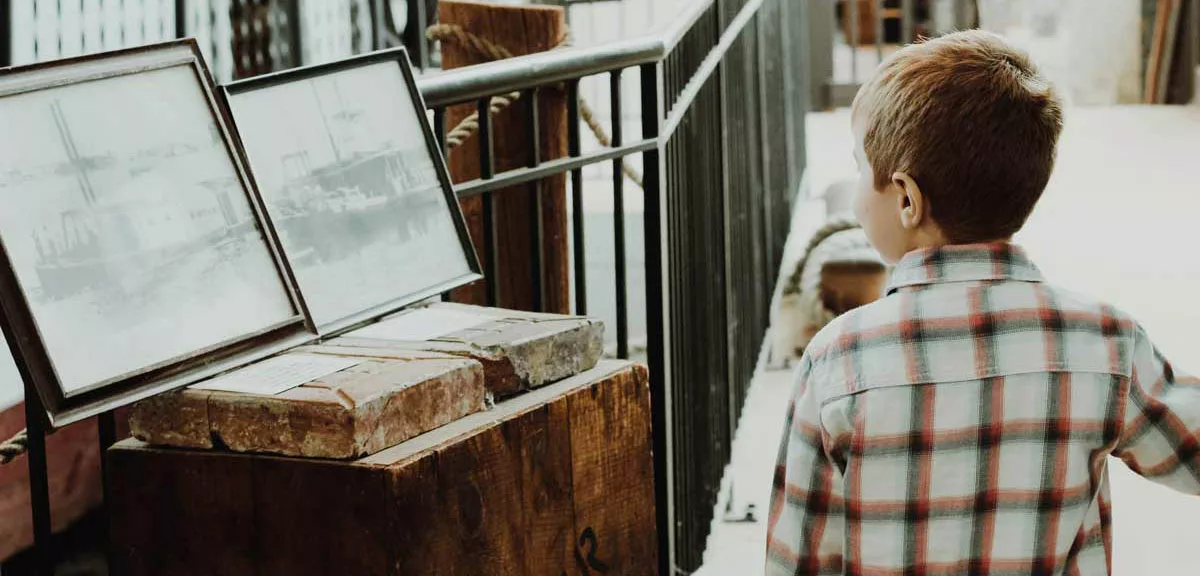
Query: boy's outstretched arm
x=1160 y=439
x=805 y=526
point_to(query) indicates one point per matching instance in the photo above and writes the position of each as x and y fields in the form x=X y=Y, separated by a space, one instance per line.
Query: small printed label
x=279 y=374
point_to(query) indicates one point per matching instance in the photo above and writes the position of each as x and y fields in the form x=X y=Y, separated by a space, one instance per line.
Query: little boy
x=961 y=424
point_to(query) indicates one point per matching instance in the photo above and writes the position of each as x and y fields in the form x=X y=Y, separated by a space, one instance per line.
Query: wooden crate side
x=318 y=517
x=479 y=488
x=543 y=440
x=613 y=475
x=419 y=543
x=180 y=512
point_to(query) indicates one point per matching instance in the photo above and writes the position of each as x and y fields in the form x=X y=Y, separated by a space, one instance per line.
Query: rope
x=484 y=49
x=829 y=229
x=13 y=447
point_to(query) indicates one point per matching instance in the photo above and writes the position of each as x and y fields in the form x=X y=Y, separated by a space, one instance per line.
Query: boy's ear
x=913 y=208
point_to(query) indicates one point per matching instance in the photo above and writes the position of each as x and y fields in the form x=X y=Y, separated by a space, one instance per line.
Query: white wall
x=1091 y=49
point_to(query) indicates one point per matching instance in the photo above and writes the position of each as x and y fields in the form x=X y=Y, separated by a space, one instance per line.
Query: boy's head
x=955 y=141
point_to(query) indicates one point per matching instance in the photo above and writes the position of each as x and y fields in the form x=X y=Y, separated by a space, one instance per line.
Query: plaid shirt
x=961 y=425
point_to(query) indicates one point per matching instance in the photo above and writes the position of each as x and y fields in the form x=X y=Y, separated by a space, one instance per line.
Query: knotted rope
x=834 y=226
x=487 y=51
x=13 y=447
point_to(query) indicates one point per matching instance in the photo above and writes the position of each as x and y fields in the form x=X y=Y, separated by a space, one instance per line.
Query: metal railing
x=849 y=38
x=721 y=100
x=721 y=145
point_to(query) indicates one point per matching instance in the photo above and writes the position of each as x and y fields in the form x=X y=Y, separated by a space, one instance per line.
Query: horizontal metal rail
x=709 y=65
x=473 y=82
x=514 y=74
x=549 y=168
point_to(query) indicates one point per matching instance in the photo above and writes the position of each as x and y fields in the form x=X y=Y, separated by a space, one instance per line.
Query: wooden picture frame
x=355 y=183
x=135 y=257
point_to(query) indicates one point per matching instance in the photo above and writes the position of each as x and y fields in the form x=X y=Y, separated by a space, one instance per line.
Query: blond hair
x=970 y=119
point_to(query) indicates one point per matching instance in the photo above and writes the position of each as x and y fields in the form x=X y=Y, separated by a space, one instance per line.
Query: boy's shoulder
x=868 y=346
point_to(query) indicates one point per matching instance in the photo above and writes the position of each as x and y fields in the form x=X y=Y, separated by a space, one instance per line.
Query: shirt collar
x=963 y=263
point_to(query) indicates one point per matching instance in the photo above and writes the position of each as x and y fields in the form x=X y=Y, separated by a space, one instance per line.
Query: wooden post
x=521 y=30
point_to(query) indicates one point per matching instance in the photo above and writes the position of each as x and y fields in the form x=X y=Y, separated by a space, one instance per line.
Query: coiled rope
x=488 y=51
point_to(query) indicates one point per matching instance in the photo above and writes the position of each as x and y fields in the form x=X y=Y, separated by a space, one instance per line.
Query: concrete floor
x=1119 y=221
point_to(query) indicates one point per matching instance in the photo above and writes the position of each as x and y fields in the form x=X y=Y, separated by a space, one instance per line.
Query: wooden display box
x=556 y=481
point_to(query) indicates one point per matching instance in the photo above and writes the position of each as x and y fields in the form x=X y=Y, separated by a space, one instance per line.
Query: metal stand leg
x=107 y=428
x=39 y=485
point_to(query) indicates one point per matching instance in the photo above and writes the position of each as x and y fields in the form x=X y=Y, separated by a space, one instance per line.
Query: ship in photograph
x=351 y=186
x=140 y=220
x=126 y=223
x=388 y=195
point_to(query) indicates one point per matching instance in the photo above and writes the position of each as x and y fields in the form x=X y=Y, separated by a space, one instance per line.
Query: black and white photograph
x=340 y=157
x=126 y=221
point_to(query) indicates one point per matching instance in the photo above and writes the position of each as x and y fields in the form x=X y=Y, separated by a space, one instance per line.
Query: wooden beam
x=520 y=30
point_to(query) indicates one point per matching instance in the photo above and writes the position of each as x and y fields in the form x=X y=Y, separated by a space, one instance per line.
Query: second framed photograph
x=354 y=185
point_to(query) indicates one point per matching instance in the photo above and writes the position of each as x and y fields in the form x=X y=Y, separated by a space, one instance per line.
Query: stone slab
x=389 y=397
x=519 y=350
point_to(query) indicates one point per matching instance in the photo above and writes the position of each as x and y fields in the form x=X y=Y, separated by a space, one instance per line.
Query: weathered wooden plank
x=547 y=495
x=319 y=518
x=614 y=493
x=181 y=512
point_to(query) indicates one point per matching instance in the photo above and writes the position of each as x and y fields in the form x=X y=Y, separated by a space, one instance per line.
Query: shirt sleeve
x=1160 y=439
x=805 y=523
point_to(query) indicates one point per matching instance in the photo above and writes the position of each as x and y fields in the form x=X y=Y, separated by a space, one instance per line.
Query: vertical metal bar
x=907 y=17
x=39 y=482
x=818 y=25
x=439 y=130
x=6 y=35
x=577 y=236
x=960 y=15
x=487 y=170
x=853 y=39
x=83 y=44
x=58 y=30
x=657 y=312
x=878 y=30
x=1195 y=62
x=763 y=51
x=295 y=41
x=33 y=15
x=618 y=180
x=535 y=197
x=106 y=427
x=422 y=21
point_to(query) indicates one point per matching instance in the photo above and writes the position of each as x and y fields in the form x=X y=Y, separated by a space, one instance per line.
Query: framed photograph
x=355 y=186
x=134 y=257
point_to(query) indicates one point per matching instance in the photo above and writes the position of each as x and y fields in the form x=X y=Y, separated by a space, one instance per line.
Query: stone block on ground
x=518 y=350
x=387 y=398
